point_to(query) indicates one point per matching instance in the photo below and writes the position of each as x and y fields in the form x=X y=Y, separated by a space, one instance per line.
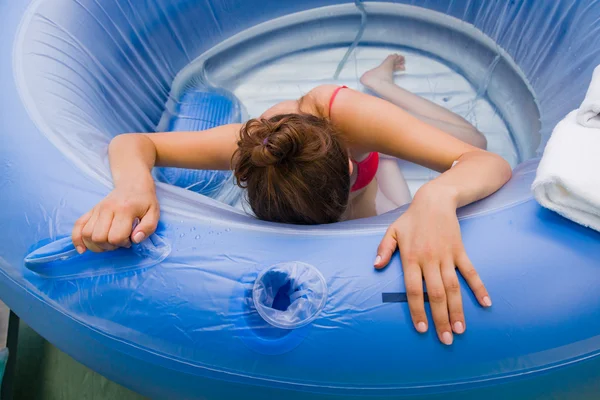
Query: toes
x=399 y=62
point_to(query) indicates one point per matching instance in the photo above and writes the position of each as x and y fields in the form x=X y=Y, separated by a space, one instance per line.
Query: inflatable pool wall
x=219 y=305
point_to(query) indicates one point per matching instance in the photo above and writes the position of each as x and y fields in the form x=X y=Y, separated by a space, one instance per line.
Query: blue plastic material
x=185 y=323
x=200 y=109
x=60 y=259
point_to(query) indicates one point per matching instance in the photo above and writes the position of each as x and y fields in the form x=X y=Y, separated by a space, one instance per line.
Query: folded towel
x=568 y=179
x=589 y=112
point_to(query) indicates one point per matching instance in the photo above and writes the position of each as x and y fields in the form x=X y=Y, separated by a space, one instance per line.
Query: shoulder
x=317 y=100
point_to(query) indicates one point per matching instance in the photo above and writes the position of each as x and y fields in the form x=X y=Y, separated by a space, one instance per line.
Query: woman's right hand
x=109 y=224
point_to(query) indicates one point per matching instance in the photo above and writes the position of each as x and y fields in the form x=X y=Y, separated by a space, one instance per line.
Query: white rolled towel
x=589 y=112
x=568 y=176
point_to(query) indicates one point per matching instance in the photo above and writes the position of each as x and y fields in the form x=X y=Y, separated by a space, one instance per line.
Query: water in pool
x=293 y=76
x=447 y=62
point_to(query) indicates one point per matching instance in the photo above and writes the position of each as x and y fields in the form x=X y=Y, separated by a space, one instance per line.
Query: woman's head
x=295 y=167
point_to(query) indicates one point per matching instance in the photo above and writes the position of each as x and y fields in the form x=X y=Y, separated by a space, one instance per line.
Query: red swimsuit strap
x=366 y=171
x=367 y=168
x=333 y=96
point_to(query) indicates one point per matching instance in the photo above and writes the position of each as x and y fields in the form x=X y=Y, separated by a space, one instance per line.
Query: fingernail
x=459 y=327
x=447 y=338
x=487 y=301
x=138 y=237
x=422 y=327
x=80 y=249
x=377 y=260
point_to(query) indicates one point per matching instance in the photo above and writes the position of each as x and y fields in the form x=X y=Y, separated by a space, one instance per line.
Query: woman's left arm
x=428 y=237
x=428 y=233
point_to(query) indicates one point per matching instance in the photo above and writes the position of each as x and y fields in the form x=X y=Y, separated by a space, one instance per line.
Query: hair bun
x=295 y=168
x=275 y=143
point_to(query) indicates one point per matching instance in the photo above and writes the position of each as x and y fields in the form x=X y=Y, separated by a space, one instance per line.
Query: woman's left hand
x=428 y=237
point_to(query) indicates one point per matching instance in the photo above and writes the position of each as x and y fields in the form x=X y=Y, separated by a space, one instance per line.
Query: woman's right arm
x=108 y=225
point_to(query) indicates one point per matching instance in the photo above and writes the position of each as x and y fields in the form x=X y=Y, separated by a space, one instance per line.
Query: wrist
x=140 y=182
x=438 y=193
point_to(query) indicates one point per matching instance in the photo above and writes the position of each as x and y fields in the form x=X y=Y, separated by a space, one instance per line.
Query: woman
x=313 y=161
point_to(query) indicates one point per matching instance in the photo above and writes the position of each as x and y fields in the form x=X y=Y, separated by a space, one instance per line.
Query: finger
x=101 y=229
x=473 y=280
x=120 y=230
x=76 y=233
x=147 y=225
x=386 y=248
x=413 y=280
x=438 y=302
x=87 y=232
x=88 y=228
x=93 y=247
x=454 y=298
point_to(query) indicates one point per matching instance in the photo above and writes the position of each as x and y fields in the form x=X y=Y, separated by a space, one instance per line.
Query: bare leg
x=381 y=81
x=382 y=203
x=386 y=192
x=392 y=184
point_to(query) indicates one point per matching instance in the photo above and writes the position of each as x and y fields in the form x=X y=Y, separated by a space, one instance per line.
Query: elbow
x=496 y=163
x=123 y=137
x=119 y=140
x=134 y=145
x=124 y=140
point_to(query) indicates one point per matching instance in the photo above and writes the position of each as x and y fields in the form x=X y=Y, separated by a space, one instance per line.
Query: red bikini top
x=365 y=169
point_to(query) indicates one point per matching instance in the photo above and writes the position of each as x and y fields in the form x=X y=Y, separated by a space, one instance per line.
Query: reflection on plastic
x=199 y=109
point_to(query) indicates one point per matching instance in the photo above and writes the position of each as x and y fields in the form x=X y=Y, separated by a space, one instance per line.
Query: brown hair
x=295 y=167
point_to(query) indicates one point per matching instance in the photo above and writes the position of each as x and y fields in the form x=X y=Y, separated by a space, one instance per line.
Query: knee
x=478 y=140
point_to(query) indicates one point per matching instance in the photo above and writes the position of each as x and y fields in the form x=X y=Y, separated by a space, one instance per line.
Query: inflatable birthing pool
x=217 y=304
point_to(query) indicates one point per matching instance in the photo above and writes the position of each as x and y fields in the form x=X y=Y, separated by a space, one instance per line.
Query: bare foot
x=385 y=71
